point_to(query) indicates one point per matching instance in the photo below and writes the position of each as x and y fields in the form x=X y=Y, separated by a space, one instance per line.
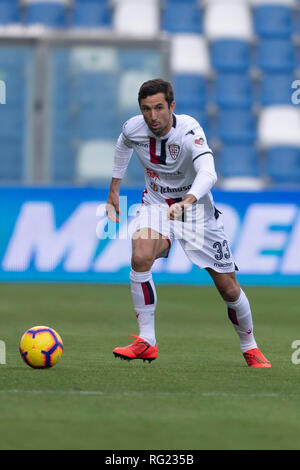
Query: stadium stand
x=279 y=126
x=287 y=173
x=276 y=55
x=91 y=14
x=236 y=126
x=14 y=71
x=273 y=21
x=275 y=89
x=232 y=65
x=137 y=17
x=9 y=12
x=233 y=91
x=239 y=160
x=49 y=13
x=279 y=137
x=197 y=61
x=229 y=19
x=177 y=17
x=190 y=90
x=230 y=55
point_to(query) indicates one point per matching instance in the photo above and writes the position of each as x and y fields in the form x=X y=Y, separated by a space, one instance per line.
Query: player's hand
x=175 y=210
x=112 y=207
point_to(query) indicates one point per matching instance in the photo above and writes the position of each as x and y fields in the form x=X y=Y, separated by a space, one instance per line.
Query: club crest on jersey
x=174 y=150
x=199 y=141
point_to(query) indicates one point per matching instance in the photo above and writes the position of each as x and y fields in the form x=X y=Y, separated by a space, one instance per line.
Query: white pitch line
x=129 y=393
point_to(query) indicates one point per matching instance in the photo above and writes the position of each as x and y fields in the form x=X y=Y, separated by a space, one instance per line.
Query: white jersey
x=168 y=160
x=176 y=164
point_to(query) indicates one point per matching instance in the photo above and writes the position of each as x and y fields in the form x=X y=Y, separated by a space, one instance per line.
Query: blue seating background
x=247 y=76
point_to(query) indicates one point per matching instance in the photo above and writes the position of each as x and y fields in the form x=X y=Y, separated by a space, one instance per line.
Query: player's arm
x=205 y=179
x=206 y=176
x=123 y=155
x=112 y=204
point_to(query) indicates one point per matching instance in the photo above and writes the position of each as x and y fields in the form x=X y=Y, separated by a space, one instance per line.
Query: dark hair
x=158 y=85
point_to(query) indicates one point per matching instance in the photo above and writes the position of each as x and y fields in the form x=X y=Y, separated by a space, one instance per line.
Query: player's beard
x=160 y=130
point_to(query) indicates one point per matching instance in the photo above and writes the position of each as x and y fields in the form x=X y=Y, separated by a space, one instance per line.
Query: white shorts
x=203 y=240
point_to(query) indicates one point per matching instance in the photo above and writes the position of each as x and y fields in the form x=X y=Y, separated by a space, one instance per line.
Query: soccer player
x=176 y=203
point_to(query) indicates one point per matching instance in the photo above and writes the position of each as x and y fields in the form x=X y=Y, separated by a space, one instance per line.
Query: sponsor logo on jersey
x=199 y=141
x=152 y=174
x=174 y=150
x=167 y=189
x=141 y=144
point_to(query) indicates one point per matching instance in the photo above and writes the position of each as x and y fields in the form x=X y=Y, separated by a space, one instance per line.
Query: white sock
x=239 y=312
x=144 y=300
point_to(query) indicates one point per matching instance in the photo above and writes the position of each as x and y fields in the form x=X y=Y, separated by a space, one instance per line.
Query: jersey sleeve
x=125 y=137
x=123 y=154
x=206 y=176
x=196 y=144
x=203 y=161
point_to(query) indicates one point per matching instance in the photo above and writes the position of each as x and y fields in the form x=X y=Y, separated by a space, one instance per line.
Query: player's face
x=157 y=114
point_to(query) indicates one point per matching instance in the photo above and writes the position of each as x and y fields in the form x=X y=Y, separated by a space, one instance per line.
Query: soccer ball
x=41 y=347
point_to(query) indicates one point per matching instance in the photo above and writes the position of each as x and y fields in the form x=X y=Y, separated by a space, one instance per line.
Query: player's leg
x=239 y=313
x=147 y=246
x=212 y=251
x=238 y=307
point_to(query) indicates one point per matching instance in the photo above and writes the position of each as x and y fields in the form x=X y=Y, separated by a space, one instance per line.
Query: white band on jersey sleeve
x=123 y=155
x=206 y=176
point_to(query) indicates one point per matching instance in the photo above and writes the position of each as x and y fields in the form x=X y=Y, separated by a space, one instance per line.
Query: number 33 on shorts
x=222 y=250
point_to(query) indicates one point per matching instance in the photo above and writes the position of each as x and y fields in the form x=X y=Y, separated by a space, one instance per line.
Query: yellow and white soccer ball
x=41 y=347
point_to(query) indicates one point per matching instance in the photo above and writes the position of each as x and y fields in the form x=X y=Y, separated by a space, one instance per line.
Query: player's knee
x=230 y=291
x=142 y=260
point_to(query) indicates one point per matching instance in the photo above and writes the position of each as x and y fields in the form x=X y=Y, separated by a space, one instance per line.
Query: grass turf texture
x=198 y=394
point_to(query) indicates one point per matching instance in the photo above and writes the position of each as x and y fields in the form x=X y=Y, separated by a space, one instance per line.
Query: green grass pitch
x=198 y=394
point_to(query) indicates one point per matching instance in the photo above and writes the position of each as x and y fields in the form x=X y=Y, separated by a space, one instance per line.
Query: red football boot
x=139 y=349
x=255 y=358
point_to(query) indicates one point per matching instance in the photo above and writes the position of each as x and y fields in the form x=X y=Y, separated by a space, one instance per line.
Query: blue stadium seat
x=63 y=161
x=233 y=91
x=230 y=55
x=199 y=114
x=64 y=124
x=275 y=89
x=273 y=21
x=239 y=160
x=11 y=160
x=12 y=122
x=136 y=59
x=276 y=55
x=87 y=85
x=16 y=85
x=95 y=123
x=283 y=165
x=46 y=13
x=9 y=12
x=91 y=14
x=236 y=127
x=15 y=56
x=178 y=17
x=297 y=22
x=190 y=90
